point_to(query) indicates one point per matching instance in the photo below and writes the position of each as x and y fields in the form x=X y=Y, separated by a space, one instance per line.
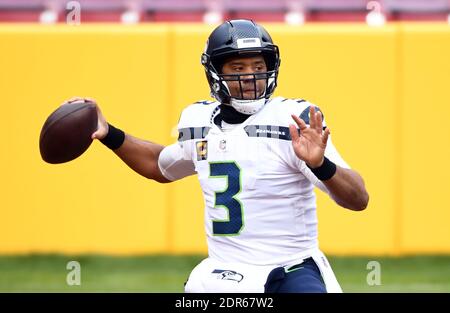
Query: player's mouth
x=249 y=94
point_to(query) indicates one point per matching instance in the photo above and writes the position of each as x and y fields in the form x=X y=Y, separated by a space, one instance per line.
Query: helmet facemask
x=248 y=93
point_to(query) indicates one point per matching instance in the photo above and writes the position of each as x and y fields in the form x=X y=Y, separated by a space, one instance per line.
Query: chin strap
x=248 y=107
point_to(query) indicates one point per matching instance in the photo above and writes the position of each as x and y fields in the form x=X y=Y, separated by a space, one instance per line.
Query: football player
x=258 y=159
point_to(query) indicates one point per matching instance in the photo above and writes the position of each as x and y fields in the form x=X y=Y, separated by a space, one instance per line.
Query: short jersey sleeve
x=175 y=160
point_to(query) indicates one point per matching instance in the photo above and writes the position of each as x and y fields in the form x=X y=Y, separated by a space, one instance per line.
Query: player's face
x=245 y=88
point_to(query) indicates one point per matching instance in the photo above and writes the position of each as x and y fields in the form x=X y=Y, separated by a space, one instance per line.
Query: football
x=66 y=134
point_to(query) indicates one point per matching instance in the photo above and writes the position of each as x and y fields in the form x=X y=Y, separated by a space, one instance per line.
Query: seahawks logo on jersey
x=228 y=275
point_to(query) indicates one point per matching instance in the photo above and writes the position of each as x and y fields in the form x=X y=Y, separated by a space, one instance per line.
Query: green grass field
x=47 y=273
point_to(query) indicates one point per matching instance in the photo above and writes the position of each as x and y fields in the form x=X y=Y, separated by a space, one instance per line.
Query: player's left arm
x=345 y=185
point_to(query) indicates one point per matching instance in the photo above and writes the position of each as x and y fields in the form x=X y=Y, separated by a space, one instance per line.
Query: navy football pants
x=301 y=278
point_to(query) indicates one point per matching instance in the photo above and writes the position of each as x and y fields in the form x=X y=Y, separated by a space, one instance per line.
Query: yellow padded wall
x=95 y=203
x=425 y=138
x=378 y=88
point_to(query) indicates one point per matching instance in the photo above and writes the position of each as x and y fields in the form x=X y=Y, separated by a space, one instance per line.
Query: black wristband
x=325 y=171
x=114 y=139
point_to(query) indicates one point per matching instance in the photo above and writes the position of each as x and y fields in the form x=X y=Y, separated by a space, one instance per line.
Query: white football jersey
x=260 y=207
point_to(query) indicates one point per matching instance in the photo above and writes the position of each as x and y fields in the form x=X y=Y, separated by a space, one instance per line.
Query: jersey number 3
x=227 y=198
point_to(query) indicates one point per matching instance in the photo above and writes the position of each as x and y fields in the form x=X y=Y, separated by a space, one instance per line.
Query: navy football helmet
x=244 y=38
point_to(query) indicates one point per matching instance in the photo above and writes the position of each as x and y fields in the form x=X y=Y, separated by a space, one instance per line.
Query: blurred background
x=213 y=11
x=379 y=70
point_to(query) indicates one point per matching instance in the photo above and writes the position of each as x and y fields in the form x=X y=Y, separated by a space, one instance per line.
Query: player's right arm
x=142 y=156
x=151 y=160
